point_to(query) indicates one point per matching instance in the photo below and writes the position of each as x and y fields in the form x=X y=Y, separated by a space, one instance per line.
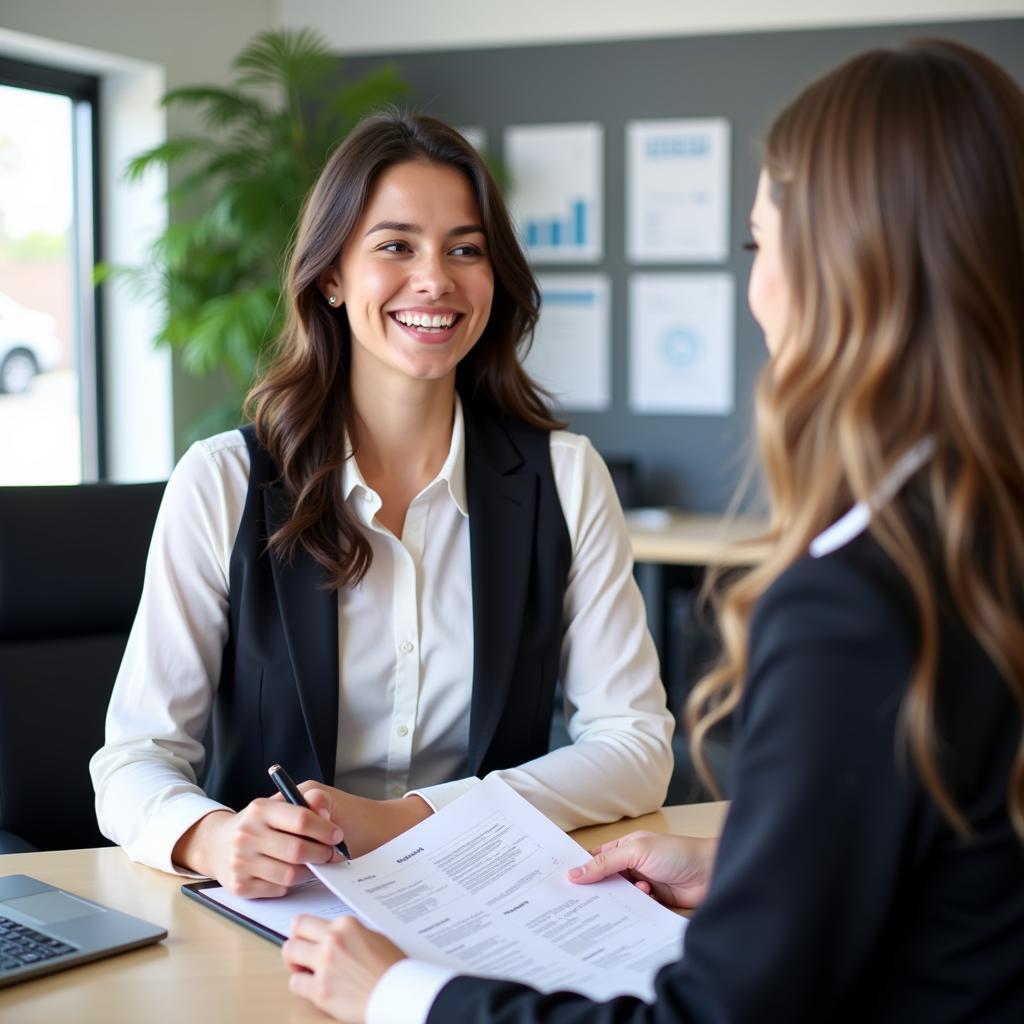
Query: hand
x=336 y=964
x=675 y=870
x=263 y=849
x=367 y=823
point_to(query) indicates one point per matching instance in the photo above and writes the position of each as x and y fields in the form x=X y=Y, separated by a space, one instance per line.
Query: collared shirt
x=857 y=520
x=405 y=671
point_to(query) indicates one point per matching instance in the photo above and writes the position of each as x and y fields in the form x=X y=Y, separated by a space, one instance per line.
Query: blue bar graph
x=569 y=232
x=579 y=209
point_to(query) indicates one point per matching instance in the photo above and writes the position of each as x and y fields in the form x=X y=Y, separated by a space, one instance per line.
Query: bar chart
x=556 y=232
x=557 y=190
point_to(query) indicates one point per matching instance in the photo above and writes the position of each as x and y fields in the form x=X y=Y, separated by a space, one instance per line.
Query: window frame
x=84 y=92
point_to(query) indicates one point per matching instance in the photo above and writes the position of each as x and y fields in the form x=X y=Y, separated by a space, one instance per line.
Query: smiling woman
x=379 y=583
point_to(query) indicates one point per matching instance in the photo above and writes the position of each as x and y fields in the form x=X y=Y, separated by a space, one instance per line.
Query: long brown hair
x=301 y=405
x=899 y=179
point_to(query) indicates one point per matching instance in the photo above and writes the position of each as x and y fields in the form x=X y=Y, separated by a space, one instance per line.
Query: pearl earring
x=333 y=300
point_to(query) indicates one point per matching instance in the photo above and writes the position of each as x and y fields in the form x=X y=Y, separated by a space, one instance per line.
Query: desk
x=684 y=538
x=207 y=969
x=685 y=820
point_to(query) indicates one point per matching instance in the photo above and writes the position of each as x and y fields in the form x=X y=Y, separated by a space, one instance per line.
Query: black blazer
x=839 y=892
x=278 y=695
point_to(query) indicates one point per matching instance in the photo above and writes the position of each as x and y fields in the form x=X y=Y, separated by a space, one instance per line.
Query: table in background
x=671 y=537
x=207 y=969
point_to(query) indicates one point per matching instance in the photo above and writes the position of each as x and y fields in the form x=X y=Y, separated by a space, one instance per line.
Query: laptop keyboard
x=21 y=946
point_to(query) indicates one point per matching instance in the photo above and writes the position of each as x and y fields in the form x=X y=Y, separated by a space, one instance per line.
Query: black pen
x=291 y=793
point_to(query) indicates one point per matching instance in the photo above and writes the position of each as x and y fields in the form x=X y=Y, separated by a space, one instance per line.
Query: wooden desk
x=207 y=969
x=683 y=538
x=685 y=820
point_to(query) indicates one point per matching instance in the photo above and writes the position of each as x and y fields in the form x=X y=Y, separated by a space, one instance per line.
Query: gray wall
x=691 y=461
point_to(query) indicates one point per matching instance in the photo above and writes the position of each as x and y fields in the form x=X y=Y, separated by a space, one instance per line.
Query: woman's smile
x=431 y=326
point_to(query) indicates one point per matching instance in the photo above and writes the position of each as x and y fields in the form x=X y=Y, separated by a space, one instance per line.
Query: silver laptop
x=44 y=929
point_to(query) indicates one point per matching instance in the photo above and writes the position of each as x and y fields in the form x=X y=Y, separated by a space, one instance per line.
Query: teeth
x=425 y=320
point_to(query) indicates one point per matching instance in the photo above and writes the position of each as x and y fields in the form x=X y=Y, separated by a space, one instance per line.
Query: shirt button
x=406 y=647
x=397 y=791
x=402 y=730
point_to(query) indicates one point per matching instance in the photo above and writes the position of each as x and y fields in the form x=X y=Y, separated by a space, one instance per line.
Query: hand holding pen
x=287 y=788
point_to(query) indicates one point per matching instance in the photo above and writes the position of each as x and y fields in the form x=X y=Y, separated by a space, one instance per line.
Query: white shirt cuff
x=169 y=826
x=406 y=992
x=445 y=792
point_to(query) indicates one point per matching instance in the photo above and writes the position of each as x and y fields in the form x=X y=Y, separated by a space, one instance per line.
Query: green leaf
x=294 y=58
x=230 y=332
x=223 y=107
x=166 y=154
x=139 y=281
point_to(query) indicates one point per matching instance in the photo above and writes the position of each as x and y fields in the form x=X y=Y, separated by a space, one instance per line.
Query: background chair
x=71 y=567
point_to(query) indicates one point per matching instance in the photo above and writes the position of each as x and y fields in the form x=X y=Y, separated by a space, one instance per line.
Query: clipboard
x=197 y=891
x=271 y=918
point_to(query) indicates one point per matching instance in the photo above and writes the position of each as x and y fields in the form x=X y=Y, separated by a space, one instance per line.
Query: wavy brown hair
x=899 y=179
x=301 y=403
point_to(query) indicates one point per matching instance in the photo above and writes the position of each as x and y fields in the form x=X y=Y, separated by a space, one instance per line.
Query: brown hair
x=899 y=179
x=301 y=404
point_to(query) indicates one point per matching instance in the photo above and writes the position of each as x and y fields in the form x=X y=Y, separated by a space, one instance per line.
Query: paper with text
x=677 y=176
x=571 y=354
x=481 y=887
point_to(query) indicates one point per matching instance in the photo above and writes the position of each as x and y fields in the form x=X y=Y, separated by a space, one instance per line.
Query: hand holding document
x=481 y=887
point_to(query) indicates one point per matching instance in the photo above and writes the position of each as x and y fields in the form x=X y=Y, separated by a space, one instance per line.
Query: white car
x=28 y=345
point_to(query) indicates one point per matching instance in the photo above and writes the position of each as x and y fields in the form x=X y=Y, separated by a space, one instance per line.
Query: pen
x=291 y=793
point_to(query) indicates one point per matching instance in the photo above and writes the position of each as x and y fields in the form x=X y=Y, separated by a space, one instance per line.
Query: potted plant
x=217 y=268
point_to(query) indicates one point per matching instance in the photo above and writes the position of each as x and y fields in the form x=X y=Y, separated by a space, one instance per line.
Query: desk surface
x=683 y=538
x=207 y=969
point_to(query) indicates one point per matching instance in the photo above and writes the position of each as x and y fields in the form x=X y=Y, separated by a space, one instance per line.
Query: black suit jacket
x=840 y=893
x=277 y=700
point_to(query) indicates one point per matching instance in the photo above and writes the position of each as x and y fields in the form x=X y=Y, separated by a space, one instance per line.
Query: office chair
x=71 y=567
x=623 y=470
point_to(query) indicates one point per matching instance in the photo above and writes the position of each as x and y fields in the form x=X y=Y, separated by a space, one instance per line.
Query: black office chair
x=625 y=478
x=71 y=567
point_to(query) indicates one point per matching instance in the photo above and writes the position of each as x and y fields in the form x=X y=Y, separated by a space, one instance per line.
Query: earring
x=333 y=300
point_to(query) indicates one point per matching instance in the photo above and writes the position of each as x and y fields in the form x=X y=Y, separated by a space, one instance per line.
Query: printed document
x=682 y=342
x=481 y=886
x=677 y=176
x=571 y=354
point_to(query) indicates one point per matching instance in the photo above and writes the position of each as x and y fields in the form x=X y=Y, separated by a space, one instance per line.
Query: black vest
x=277 y=700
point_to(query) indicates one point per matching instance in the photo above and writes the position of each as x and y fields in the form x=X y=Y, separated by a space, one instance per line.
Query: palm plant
x=218 y=271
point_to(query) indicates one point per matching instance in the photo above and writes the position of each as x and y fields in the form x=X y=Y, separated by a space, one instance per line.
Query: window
x=50 y=367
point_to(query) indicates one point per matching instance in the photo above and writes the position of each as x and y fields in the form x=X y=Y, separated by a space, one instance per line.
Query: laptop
x=45 y=929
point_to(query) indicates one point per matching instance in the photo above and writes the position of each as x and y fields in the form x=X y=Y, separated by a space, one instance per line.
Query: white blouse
x=405 y=656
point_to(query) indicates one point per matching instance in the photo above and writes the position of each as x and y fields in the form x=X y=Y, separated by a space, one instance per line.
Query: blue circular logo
x=681 y=347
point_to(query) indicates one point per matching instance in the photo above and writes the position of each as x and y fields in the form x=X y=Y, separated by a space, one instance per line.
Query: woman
x=872 y=864
x=378 y=584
